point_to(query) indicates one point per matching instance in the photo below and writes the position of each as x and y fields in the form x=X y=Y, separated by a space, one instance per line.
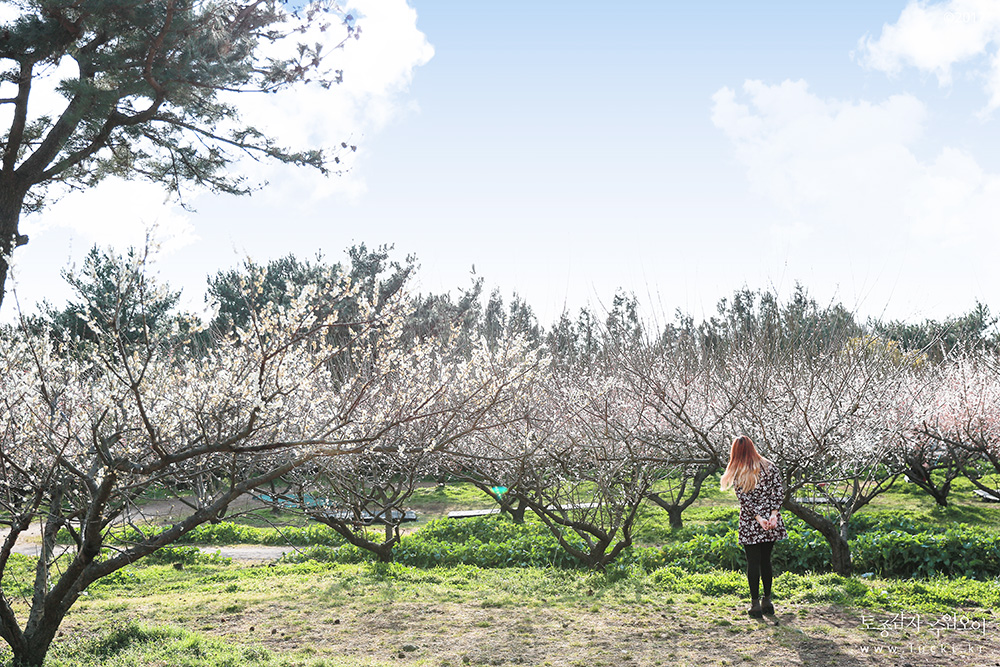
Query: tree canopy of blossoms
x=90 y=428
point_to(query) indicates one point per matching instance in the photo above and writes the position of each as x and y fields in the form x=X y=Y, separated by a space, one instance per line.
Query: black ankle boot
x=755 y=610
x=766 y=606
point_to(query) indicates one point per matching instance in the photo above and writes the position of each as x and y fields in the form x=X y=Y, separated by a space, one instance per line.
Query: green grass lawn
x=433 y=500
x=314 y=614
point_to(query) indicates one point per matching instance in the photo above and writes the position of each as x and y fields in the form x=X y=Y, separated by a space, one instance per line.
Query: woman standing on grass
x=760 y=492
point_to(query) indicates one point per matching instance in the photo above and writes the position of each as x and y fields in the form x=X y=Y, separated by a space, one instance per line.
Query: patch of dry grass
x=370 y=615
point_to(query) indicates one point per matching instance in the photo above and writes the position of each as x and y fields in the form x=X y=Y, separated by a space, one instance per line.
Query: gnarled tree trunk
x=11 y=201
x=836 y=536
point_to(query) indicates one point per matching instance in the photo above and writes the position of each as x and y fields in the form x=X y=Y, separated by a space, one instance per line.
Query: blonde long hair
x=745 y=465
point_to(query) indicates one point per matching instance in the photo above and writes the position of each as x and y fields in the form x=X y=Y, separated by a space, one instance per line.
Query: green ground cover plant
x=904 y=536
x=229 y=532
x=229 y=614
x=321 y=607
x=132 y=644
x=892 y=545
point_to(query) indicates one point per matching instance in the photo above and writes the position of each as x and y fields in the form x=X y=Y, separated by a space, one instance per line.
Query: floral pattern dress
x=761 y=501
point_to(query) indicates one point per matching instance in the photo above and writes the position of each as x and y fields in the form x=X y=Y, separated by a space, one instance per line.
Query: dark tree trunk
x=940 y=495
x=920 y=471
x=676 y=505
x=840 y=550
x=515 y=510
x=384 y=552
x=673 y=510
x=35 y=647
x=346 y=529
x=840 y=554
x=602 y=545
x=57 y=589
x=11 y=201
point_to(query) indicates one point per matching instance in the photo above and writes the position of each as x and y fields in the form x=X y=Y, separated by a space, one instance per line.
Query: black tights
x=759 y=567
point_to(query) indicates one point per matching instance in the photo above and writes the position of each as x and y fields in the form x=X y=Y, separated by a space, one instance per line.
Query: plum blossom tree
x=473 y=393
x=86 y=437
x=930 y=463
x=830 y=420
x=964 y=417
x=353 y=491
x=689 y=420
x=581 y=461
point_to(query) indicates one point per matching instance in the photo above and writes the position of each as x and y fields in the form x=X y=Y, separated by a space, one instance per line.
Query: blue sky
x=677 y=150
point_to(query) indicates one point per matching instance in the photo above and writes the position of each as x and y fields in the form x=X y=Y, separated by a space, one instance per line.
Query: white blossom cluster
x=89 y=431
x=961 y=412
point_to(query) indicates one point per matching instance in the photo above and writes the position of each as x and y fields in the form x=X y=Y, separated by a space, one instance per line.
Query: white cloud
x=119 y=214
x=378 y=69
x=851 y=165
x=936 y=37
x=115 y=213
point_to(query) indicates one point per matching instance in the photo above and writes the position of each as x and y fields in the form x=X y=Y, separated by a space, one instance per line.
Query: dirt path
x=245 y=553
x=162 y=511
x=356 y=622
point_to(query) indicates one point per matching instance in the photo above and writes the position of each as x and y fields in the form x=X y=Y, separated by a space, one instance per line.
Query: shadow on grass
x=982 y=514
x=814 y=650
